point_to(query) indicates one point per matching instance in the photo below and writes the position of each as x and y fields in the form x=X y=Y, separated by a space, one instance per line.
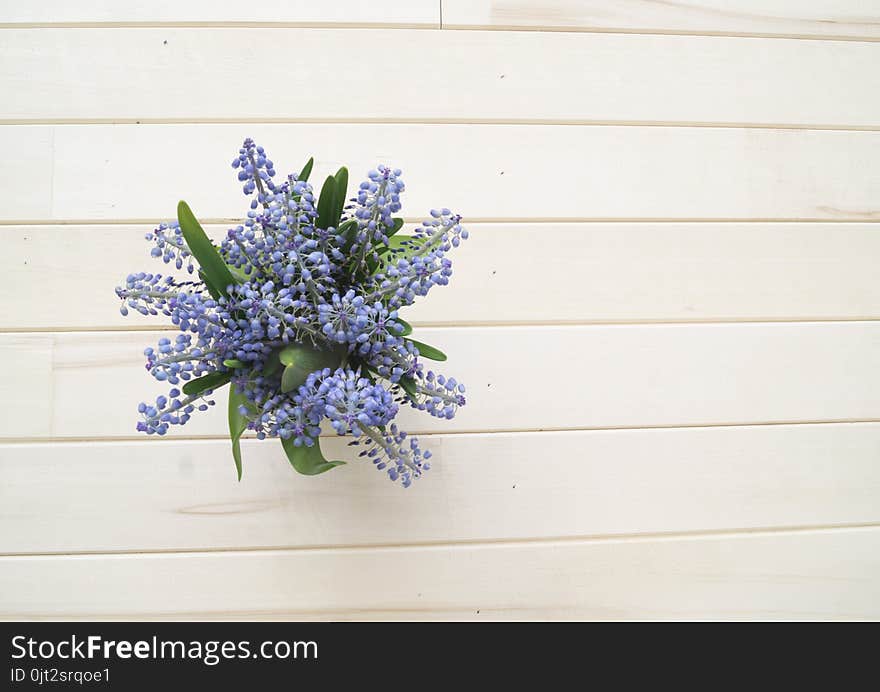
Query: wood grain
x=602 y=272
x=798 y=575
x=191 y=74
x=213 y=12
x=614 y=177
x=853 y=19
x=519 y=378
x=181 y=495
x=489 y=172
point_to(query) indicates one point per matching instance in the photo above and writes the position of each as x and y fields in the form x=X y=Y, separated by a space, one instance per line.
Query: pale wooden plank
x=33 y=373
x=826 y=574
x=482 y=171
x=28 y=183
x=519 y=378
x=193 y=74
x=858 y=19
x=602 y=272
x=212 y=12
x=182 y=495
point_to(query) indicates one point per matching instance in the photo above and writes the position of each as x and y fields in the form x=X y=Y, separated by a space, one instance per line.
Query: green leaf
x=308 y=461
x=403 y=245
x=347 y=230
x=381 y=248
x=398 y=224
x=212 y=380
x=215 y=294
x=428 y=351
x=307 y=170
x=215 y=270
x=301 y=360
x=233 y=363
x=408 y=384
x=272 y=366
x=238 y=274
x=403 y=242
x=339 y=198
x=292 y=378
x=237 y=424
x=407 y=327
x=327 y=203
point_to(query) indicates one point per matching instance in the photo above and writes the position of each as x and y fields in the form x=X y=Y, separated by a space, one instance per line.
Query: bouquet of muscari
x=298 y=311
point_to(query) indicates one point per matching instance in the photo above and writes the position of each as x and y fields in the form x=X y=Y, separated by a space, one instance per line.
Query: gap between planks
x=869 y=217
x=562 y=122
x=550 y=29
x=478 y=324
x=664 y=536
x=438 y=27
x=516 y=324
x=217 y=25
x=11 y=442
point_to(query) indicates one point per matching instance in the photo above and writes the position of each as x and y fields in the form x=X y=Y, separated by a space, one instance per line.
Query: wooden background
x=668 y=314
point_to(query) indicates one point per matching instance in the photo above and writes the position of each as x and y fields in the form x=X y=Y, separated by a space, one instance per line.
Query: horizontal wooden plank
x=191 y=74
x=87 y=172
x=822 y=18
x=87 y=384
x=212 y=12
x=601 y=272
x=809 y=575
x=182 y=495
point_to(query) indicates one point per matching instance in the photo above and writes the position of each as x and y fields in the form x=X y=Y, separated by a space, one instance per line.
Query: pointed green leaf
x=238 y=274
x=212 y=380
x=308 y=461
x=307 y=170
x=301 y=360
x=408 y=384
x=233 y=363
x=292 y=378
x=402 y=243
x=428 y=351
x=405 y=242
x=347 y=230
x=215 y=270
x=403 y=246
x=339 y=198
x=393 y=243
x=215 y=294
x=398 y=224
x=407 y=327
x=327 y=203
x=272 y=366
x=237 y=424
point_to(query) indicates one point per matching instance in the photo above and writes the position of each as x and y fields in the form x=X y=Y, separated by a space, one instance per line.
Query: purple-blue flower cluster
x=303 y=315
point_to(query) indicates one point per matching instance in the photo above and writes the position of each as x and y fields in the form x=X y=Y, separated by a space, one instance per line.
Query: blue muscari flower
x=170 y=410
x=397 y=453
x=377 y=200
x=170 y=245
x=302 y=284
x=255 y=169
x=440 y=396
x=349 y=401
x=420 y=263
